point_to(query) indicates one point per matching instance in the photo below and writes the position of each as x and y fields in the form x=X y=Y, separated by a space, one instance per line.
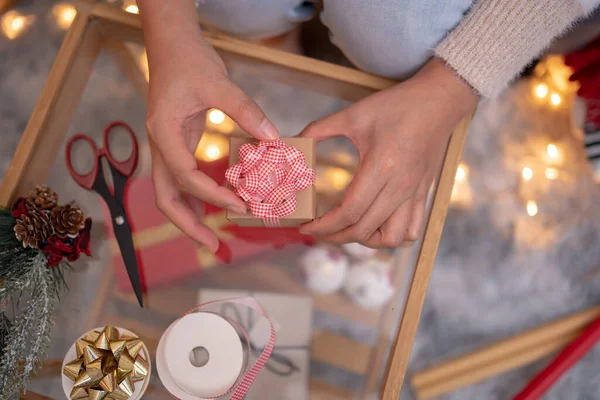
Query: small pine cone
x=67 y=219
x=33 y=228
x=44 y=197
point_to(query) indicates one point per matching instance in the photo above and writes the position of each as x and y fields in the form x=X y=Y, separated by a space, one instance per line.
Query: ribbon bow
x=268 y=177
x=107 y=365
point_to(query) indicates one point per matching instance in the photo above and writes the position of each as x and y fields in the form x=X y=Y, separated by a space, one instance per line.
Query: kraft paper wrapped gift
x=286 y=374
x=306 y=201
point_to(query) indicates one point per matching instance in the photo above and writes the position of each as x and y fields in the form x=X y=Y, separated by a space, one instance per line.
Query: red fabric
x=586 y=70
x=268 y=177
x=57 y=248
x=19 y=208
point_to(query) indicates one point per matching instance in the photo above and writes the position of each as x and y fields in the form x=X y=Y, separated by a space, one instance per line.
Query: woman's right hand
x=187 y=78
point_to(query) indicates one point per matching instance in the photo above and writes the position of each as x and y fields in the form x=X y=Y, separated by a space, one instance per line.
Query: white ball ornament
x=325 y=269
x=368 y=284
x=359 y=251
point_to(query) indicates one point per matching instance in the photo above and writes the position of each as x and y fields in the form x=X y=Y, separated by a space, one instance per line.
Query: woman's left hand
x=401 y=135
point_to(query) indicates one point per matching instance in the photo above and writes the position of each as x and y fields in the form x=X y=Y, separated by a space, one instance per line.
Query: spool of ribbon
x=267 y=178
x=249 y=373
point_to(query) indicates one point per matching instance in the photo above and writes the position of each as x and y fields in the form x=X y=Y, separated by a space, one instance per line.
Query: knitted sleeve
x=497 y=38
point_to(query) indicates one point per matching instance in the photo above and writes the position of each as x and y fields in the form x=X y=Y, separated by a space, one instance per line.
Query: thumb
x=326 y=128
x=246 y=113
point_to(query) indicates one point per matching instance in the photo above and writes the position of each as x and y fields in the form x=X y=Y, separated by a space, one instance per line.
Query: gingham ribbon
x=268 y=177
x=242 y=385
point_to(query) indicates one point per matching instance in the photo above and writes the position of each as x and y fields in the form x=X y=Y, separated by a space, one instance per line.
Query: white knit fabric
x=497 y=38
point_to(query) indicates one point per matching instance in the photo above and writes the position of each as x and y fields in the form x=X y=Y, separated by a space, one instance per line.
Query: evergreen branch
x=29 y=335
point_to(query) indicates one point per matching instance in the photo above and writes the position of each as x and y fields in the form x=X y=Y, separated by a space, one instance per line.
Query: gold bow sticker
x=107 y=365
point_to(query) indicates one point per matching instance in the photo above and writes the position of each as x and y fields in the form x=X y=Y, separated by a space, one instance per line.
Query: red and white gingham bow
x=268 y=177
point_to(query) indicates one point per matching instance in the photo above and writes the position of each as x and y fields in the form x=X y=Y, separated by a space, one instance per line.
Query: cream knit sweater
x=497 y=38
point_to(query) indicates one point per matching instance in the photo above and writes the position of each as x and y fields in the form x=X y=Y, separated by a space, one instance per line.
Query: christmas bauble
x=368 y=283
x=325 y=269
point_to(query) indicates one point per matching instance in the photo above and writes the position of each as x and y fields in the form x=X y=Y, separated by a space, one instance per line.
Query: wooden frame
x=97 y=25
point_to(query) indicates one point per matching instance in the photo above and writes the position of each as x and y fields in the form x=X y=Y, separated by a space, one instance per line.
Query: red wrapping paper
x=166 y=255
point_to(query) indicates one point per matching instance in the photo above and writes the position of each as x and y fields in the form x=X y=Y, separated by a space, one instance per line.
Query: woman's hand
x=401 y=135
x=187 y=78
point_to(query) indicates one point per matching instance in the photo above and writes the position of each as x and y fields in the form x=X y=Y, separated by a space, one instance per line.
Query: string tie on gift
x=267 y=178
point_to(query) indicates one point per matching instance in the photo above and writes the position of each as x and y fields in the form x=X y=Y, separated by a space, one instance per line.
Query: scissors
x=94 y=180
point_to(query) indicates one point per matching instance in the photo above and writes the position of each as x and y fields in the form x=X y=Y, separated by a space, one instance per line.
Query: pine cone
x=33 y=228
x=44 y=197
x=67 y=219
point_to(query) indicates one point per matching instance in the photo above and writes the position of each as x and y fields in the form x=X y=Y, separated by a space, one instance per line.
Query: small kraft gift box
x=286 y=374
x=275 y=179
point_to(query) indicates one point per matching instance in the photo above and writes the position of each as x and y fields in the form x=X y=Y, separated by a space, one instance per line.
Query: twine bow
x=268 y=177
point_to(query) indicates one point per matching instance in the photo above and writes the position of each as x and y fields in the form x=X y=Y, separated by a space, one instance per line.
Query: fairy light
x=552 y=151
x=64 y=14
x=555 y=99
x=132 y=9
x=338 y=178
x=216 y=116
x=144 y=65
x=461 y=191
x=213 y=152
x=541 y=90
x=551 y=173
x=212 y=147
x=532 y=208
x=527 y=173
x=461 y=172
x=14 y=23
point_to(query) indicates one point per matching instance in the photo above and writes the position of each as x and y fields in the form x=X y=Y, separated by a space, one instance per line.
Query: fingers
x=172 y=205
x=245 y=112
x=416 y=222
x=184 y=172
x=361 y=193
x=393 y=231
x=380 y=210
x=327 y=127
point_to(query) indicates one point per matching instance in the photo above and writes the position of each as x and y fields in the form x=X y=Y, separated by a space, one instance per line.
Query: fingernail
x=268 y=129
x=237 y=209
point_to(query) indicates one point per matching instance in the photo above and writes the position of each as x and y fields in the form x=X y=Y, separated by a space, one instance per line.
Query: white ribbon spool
x=223 y=369
x=225 y=356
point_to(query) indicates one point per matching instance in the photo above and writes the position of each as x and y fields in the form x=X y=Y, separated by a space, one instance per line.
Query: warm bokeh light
x=213 y=152
x=132 y=8
x=64 y=14
x=541 y=90
x=337 y=178
x=212 y=147
x=144 y=65
x=462 y=194
x=461 y=172
x=527 y=173
x=216 y=116
x=555 y=99
x=532 y=208
x=551 y=173
x=552 y=151
x=14 y=23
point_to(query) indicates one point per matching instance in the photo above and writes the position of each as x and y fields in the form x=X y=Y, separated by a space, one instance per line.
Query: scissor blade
x=125 y=241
